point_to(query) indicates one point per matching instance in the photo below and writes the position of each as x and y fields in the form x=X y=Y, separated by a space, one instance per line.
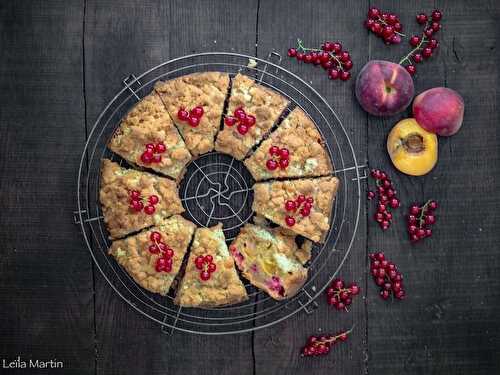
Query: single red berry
x=249 y=120
x=193 y=121
x=169 y=253
x=155 y=236
x=183 y=115
x=308 y=58
x=384 y=294
x=373 y=13
x=153 y=199
x=208 y=258
x=271 y=164
x=430 y=219
x=327 y=64
x=300 y=56
x=135 y=195
x=301 y=199
x=333 y=74
x=305 y=212
x=337 y=284
x=336 y=47
x=344 y=75
x=147 y=157
x=160 y=264
x=435 y=26
x=242 y=129
x=204 y=275
x=199 y=260
x=421 y=18
x=433 y=43
x=327 y=46
x=414 y=40
x=149 y=210
x=290 y=206
x=136 y=205
x=292 y=52
x=160 y=148
x=411 y=69
x=324 y=57
x=240 y=114
x=387 y=31
x=290 y=221
x=230 y=120
x=394 y=203
x=370 y=195
x=436 y=15
x=369 y=23
x=414 y=209
x=398 y=26
x=432 y=205
x=428 y=32
x=417 y=58
x=284 y=153
x=197 y=112
x=377 y=28
x=347 y=65
x=427 y=52
x=395 y=39
x=392 y=19
x=400 y=294
x=344 y=56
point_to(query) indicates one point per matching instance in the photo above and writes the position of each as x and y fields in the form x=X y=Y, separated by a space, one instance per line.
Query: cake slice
x=295 y=149
x=261 y=109
x=200 y=97
x=303 y=206
x=147 y=137
x=210 y=279
x=153 y=257
x=271 y=260
x=133 y=200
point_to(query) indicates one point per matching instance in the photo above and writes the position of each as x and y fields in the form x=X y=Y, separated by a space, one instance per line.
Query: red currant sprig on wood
x=424 y=45
x=420 y=220
x=384 y=25
x=321 y=345
x=386 y=276
x=340 y=296
x=330 y=56
x=386 y=198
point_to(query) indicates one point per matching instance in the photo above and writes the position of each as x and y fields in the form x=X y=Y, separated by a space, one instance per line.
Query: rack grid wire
x=217 y=188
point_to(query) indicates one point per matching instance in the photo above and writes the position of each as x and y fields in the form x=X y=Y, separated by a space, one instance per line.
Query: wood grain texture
x=447 y=324
x=45 y=271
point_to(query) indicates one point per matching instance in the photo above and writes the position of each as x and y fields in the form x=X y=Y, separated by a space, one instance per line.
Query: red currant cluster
x=384 y=25
x=425 y=44
x=386 y=276
x=280 y=157
x=386 y=198
x=321 y=345
x=137 y=202
x=303 y=203
x=330 y=56
x=153 y=152
x=192 y=117
x=240 y=117
x=165 y=261
x=420 y=220
x=339 y=296
x=206 y=265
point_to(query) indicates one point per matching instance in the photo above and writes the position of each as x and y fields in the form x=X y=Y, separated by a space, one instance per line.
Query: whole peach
x=384 y=88
x=439 y=110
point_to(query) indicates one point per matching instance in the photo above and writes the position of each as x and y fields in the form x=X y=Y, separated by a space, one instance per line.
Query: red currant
x=183 y=115
x=290 y=221
x=149 y=210
x=242 y=129
x=194 y=121
x=271 y=164
x=230 y=120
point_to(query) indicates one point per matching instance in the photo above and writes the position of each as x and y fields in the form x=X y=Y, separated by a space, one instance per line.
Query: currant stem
x=381 y=20
x=419 y=46
x=335 y=338
x=421 y=216
x=301 y=47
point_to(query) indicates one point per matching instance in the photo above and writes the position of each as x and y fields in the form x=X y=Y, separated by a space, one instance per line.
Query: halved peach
x=413 y=150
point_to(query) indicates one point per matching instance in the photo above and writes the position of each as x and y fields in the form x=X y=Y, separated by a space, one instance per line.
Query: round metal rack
x=217 y=188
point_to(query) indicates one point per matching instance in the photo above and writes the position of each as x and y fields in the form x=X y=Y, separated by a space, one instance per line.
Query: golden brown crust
x=265 y=104
x=224 y=286
x=134 y=256
x=270 y=198
x=116 y=185
x=149 y=122
x=308 y=155
x=208 y=90
x=268 y=259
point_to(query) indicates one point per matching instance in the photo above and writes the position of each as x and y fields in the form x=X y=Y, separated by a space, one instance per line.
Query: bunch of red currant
x=303 y=203
x=424 y=45
x=384 y=25
x=280 y=157
x=386 y=276
x=206 y=265
x=192 y=117
x=152 y=153
x=320 y=345
x=386 y=198
x=420 y=219
x=340 y=296
x=137 y=202
x=330 y=56
x=240 y=117
x=165 y=261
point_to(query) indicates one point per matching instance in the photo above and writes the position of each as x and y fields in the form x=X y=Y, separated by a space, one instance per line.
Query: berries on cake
x=147 y=137
x=133 y=200
x=196 y=102
x=210 y=278
x=303 y=206
x=253 y=109
x=153 y=257
x=271 y=260
x=295 y=149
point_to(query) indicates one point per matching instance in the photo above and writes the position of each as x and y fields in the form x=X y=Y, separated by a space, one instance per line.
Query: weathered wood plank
x=45 y=271
x=447 y=324
x=277 y=348
x=130 y=39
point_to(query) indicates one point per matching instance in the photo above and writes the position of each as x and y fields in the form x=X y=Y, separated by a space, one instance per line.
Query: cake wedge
x=252 y=111
x=195 y=103
x=295 y=149
x=147 y=137
x=303 y=206
x=271 y=260
x=132 y=200
x=210 y=277
x=154 y=256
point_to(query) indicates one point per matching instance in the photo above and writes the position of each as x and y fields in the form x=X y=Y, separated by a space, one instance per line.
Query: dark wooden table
x=62 y=61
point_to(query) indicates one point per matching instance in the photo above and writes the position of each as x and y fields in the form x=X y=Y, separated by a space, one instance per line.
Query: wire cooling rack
x=217 y=188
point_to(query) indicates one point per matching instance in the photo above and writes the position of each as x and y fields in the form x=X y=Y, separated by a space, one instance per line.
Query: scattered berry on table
x=330 y=56
x=386 y=276
x=384 y=25
x=420 y=220
x=340 y=295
